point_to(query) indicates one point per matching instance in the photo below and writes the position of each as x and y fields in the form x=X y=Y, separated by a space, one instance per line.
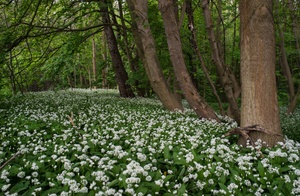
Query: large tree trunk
x=228 y=80
x=120 y=72
x=147 y=51
x=196 y=102
x=259 y=97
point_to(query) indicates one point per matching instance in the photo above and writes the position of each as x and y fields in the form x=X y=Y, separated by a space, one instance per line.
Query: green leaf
x=168 y=177
x=261 y=169
x=181 y=190
x=168 y=194
x=142 y=189
x=113 y=183
x=167 y=154
x=181 y=172
x=223 y=187
x=20 y=187
x=223 y=179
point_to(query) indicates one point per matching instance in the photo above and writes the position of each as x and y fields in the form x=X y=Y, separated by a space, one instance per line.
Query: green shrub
x=291 y=123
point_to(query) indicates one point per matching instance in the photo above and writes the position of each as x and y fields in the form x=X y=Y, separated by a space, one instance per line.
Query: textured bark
x=228 y=80
x=120 y=72
x=147 y=51
x=259 y=96
x=196 y=102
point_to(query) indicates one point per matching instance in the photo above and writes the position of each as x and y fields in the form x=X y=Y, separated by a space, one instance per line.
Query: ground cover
x=86 y=142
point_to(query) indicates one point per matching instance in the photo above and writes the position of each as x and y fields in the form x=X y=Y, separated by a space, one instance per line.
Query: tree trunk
x=94 y=63
x=259 y=96
x=120 y=72
x=196 y=102
x=128 y=50
x=228 y=80
x=104 y=58
x=147 y=51
x=189 y=11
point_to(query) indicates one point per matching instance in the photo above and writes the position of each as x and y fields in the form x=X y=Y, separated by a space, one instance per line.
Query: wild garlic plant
x=91 y=142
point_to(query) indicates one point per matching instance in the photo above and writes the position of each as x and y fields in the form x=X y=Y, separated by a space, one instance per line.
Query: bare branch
x=9 y=160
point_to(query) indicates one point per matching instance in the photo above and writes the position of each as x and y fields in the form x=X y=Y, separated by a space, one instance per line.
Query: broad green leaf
x=20 y=186
x=181 y=190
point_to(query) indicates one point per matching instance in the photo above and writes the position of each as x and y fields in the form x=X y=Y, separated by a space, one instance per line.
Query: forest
x=145 y=97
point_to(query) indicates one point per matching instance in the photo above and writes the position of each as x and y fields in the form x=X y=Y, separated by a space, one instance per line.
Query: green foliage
x=290 y=123
x=93 y=142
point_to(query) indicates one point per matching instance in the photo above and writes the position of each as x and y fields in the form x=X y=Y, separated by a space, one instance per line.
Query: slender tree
x=228 y=80
x=189 y=11
x=120 y=72
x=147 y=51
x=94 y=58
x=259 y=96
x=191 y=94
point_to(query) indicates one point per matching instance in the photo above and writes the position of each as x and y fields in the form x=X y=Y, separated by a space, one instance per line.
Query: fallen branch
x=9 y=160
x=71 y=120
x=72 y=123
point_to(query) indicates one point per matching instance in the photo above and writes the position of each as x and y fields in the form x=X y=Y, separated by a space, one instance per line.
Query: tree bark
x=147 y=51
x=196 y=102
x=228 y=80
x=259 y=96
x=120 y=72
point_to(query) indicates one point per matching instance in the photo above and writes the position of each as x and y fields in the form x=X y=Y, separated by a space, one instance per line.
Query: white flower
x=297 y=172
x=67 y=165
x=148 y=178
x=21 y=174
x=132 y=180
x=34 y=166
x=232 y=186
x=159 y=182
x=141 y=157
x=287 y=179
x=34 y=174
x=210 y=181
x=206 y=173
x=293 y=158
x=130 y=191
x=189 y=157
x=110 y=191
x=247 y=182
x=5 y=187
x=185 y=179
x=64 y=193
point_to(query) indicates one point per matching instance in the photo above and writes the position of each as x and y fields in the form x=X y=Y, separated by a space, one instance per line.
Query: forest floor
x=83 y=142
